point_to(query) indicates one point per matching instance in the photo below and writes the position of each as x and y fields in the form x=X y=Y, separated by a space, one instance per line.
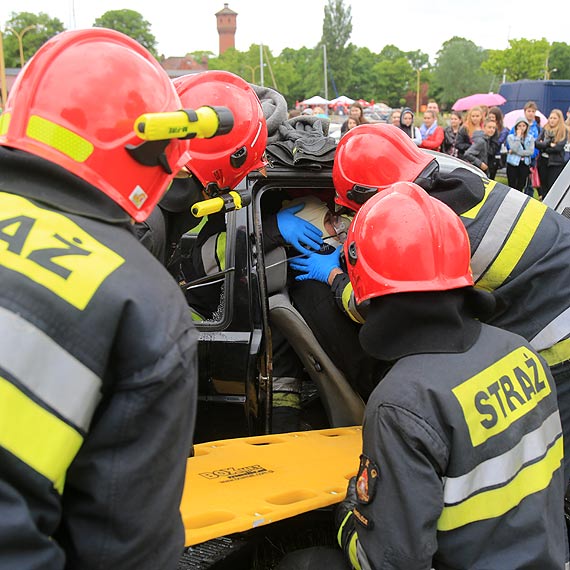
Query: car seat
x=343 y=406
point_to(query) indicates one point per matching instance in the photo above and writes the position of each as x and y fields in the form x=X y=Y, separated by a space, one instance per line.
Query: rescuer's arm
x=398 y=493
x=123 y=491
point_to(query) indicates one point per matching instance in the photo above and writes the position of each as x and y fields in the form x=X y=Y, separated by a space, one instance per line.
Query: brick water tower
x=226 y=19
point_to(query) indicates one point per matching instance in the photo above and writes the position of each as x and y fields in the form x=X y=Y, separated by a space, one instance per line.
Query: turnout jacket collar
x=52 y=185
x=414 y=323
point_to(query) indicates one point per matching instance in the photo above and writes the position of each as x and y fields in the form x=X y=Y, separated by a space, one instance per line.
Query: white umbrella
x=315 y=100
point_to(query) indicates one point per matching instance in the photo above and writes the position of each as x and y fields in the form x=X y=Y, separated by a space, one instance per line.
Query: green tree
x=337 y=28
x=559 y=61
x=523 y=59
x=458 y=71
x=132 y=24
x=362 y=81
x=392 y=78
x=33 y=29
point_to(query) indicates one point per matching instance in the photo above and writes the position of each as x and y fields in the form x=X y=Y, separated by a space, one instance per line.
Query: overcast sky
x=185 y=26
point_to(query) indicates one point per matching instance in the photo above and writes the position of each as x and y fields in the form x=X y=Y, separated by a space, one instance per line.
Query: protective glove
x=298 y=232
x=288 y=132
x=316 y=266
x=345 y=525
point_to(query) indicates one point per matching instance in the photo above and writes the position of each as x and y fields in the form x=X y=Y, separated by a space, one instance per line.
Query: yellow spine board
x=237 y=484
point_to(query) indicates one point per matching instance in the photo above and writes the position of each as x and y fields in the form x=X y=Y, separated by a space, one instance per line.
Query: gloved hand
x=298 y=232
x=345 y=526
x=316 y=266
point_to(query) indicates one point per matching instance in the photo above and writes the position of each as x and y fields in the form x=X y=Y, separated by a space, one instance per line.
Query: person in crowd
x=318 y=111
x=407 y=125
x=356 y=111
x=473 y=122
x=497 y=143
x=450 y=134
x=531 y=288
x=433 y=427
x=395 y=117
x=351 y=122
x=521 y=149
x=432 y=133
x=98 y=369
x=434 y=107
x=551 y=143
x=478 y=153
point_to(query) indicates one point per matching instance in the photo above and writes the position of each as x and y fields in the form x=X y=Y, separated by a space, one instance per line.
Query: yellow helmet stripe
x=59 y=138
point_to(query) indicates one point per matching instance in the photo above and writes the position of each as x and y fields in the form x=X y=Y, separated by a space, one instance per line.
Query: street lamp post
x=20 y=36
x=2 y=73
x=418 y=71
x=252 y=69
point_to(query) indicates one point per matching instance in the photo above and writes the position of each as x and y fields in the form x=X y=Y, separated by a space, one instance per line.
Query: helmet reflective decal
x=138 y=197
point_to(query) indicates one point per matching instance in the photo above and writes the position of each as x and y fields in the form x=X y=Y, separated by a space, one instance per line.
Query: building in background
x=227 y=26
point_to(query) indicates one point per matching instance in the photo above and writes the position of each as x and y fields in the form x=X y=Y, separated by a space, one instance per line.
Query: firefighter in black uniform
x=98 y=353
x=461 y=465
x=519 y=247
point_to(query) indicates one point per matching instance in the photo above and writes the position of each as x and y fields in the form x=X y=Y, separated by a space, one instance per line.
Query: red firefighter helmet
x=75 y=104
x=369 y=158
x=404 y=240
x=225 y=160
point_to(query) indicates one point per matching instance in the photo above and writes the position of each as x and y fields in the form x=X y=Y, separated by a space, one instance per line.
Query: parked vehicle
x=235 y=355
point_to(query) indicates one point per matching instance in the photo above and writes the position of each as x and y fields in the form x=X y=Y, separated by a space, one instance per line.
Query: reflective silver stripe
x=47 y=370
x=553 y=332
x=501 y=469
x=209 y=257
x=497 y=232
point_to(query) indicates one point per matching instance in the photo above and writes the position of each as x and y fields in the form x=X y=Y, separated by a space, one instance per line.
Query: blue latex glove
x=298 y=232
x=316 y=266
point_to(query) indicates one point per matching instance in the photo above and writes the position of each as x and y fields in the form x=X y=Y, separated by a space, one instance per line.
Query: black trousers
x=518 y=175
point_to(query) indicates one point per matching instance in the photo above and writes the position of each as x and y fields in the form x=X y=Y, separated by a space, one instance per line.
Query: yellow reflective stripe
x=497 y=502
x=221 y=250
x=4 y=123
x=558 y=353
x=39 y=439
x=348 y=301
x=341 y=528
x=353 y=551
x=514 y=247
x=286 y=400
x=472 y=213
x=60 y=138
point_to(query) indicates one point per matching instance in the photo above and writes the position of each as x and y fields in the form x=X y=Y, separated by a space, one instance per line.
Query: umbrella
x=487 y=99
x=341 y=100
x=315 y=100
x=510 y=118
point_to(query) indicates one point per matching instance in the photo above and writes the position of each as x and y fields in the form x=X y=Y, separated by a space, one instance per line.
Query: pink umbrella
x=487 y=99
x=510 y=118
